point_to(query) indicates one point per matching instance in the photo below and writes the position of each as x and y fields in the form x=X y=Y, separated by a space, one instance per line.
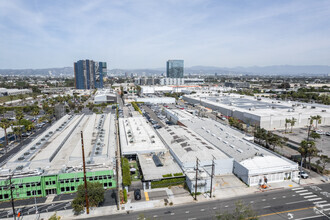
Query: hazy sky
x=144 y=34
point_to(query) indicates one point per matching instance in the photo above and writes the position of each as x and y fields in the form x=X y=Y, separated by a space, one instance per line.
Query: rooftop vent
x=239 y=150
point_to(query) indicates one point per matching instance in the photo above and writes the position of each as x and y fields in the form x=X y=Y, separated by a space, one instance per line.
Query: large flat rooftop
x=187 y=145
x=262 y=107
x=225 y=138
x=58 y=149
x=137 y=136
x=154 y=170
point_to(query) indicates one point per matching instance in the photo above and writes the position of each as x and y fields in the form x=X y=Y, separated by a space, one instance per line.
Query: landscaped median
x=136 y=107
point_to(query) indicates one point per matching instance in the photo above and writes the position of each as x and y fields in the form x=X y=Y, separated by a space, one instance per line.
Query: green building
x=39 y=186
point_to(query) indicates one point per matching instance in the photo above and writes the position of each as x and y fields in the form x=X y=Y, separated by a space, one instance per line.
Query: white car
x=303 y=175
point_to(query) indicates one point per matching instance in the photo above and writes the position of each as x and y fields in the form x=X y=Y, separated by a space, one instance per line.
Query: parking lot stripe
x=146 y=195
x=300 y=191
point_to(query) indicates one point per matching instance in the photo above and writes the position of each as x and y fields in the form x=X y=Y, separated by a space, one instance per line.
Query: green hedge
x=168 y=175
x=126 y=172
x=178 y=174
x=125 y=195
x=168 y=182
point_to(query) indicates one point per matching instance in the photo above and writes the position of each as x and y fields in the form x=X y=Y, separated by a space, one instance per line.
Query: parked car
x=328 y=133
x=137 y=194
x=303 y=175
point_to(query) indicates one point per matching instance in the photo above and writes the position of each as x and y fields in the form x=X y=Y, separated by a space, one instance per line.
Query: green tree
x=323 y=161
x=5 y=124
x=293 y=122
x=241 y=212
x=19 y=115
x=314 y=135
x=55 y=217
x=35 y=112
x=317 y=119
x=308 y=150
x=287 y=121
x=95 y=192
x=3 y=111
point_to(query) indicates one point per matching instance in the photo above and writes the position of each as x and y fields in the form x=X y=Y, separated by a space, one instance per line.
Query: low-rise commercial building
x=269 y=114
x=105 y=96
x=187 y=148
x=253 y=164
x=52 y=162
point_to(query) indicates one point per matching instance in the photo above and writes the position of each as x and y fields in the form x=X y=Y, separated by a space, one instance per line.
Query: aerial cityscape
x=164 y=109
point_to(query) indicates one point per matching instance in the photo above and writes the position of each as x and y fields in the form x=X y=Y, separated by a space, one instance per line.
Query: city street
x=296 y=203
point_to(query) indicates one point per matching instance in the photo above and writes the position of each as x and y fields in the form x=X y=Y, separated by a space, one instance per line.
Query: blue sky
x=144 y=34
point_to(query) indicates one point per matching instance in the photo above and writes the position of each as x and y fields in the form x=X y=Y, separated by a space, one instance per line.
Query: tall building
x=174 y=69
x=89 y=74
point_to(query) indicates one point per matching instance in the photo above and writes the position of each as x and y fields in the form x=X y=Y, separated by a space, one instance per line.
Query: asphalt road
x=295 y=203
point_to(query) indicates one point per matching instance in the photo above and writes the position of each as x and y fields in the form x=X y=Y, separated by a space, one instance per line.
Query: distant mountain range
x=202 y=70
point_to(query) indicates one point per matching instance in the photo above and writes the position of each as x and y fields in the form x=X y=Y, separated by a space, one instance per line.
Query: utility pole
x=196 y=179
x=84 y=166
x=212 y=174
x=12 y=198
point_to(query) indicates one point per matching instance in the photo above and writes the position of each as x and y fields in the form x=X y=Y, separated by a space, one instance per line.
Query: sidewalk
x=218 y=194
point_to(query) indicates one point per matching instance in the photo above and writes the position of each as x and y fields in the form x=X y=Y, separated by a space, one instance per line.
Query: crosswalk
x=320 y=202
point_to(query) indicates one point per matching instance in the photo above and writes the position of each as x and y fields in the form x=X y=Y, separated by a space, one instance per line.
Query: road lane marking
x=297 y=188
x=202 y=210
x=293 y=195
x=300 y=191
x=263 y=200
x=283 y=196
x=287 y=211
x=310 y=196
x=302 y=194
x=252 y=202
x=296 y=202
x=314 y=199
x=172 y=213
x=191 y=218
x=320 y=202
x=324 y=210
x=187 y=212
x=214 y=207
x=146 y=195
x=325 y=205
x=265 y=207
x=309 y=217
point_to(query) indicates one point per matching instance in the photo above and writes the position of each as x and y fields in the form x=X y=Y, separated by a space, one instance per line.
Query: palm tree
x=287 y=121
x=293 y=122
x=303 y=150
x=317 y=118
x=11 y=97
x=3 y=111
x=18 y=132
x=312 y=152
x=35 y=112
x=19 y=115
x=4 y=124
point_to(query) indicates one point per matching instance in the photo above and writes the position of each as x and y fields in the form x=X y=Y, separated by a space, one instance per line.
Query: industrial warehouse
x=269 y=114
x=252 y=164
x=52 y=162
x=187 y=147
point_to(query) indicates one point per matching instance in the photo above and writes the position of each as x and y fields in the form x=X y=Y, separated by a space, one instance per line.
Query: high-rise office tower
x=174 y=69
x=89 y=74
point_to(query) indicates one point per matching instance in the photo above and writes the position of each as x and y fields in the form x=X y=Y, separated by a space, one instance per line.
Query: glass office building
x=89 y=74
x=174 y=69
